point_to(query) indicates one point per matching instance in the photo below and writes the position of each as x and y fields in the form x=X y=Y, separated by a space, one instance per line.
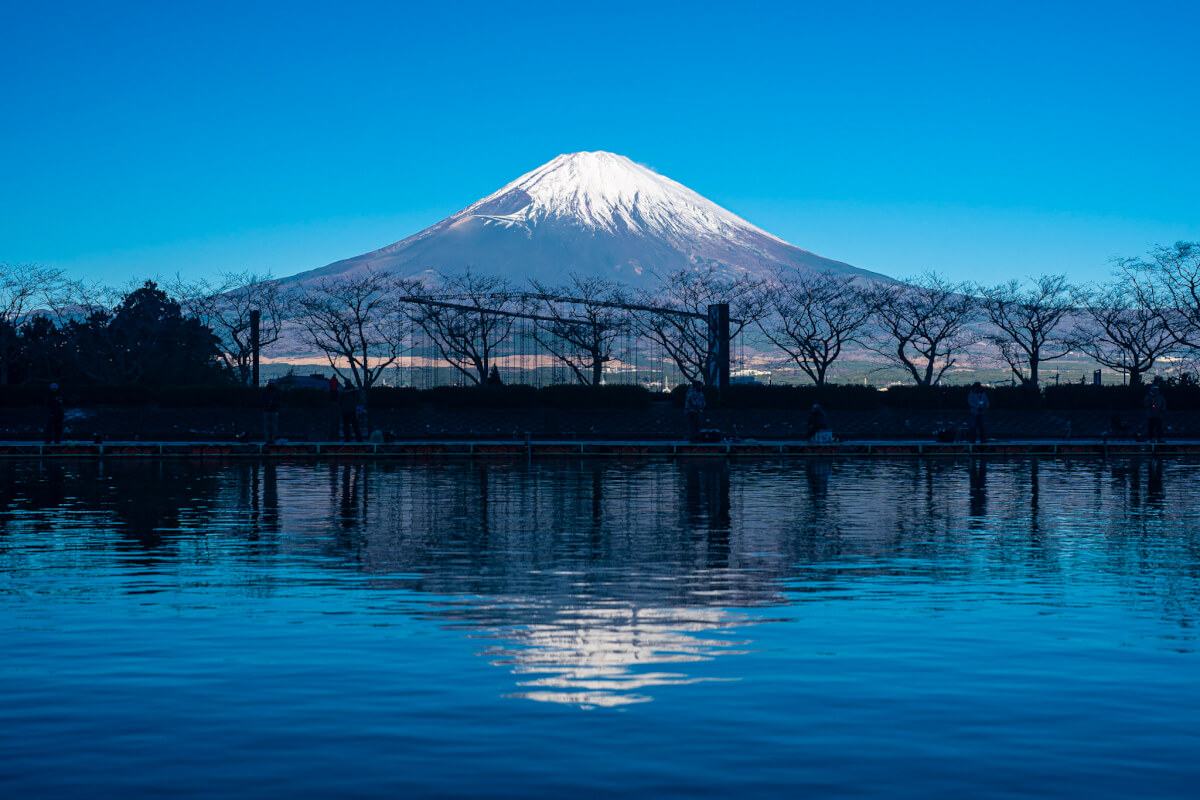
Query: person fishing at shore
x=348 y=402
x=978 y=403
x=55 y=414
x=818 y=421
x=1155 y=405
x=272 y=400
x=335 y=414
x=693 y=406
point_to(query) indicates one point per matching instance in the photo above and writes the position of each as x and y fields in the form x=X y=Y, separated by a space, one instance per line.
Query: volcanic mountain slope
x=595 y=214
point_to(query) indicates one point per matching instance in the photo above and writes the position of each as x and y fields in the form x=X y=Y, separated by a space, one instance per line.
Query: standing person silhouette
x=348 y=403
x=978 y=403
x=55 y=414
x=817 y=421
x=335 y=411
x=693 y=407
x=1155 y=405
x=272 y=400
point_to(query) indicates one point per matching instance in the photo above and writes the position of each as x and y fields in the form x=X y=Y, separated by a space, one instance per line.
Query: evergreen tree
x=146 y=340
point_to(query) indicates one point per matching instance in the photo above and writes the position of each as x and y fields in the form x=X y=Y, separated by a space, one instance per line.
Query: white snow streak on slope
x=609 y=192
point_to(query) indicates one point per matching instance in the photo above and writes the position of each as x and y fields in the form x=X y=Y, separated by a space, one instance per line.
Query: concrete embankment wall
x=660 y=422
x=539 y=450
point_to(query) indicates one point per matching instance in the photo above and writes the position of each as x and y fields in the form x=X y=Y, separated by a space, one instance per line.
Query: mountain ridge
x=591 y=213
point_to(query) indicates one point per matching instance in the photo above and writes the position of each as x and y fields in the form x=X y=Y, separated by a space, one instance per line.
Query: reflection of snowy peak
x=591 y=213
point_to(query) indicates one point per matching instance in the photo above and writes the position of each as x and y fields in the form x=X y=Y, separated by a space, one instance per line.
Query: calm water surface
x=580 y=628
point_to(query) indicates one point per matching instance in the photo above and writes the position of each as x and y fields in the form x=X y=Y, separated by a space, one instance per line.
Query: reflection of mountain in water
x=607 y=656
x=591 y=585
x=595 y=581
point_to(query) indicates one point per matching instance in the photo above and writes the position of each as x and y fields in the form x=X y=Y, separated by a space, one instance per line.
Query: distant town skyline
x=147 y=141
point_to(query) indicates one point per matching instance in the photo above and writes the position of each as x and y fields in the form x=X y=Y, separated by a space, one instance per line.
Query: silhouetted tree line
x=1147 y=314
x=60 y=332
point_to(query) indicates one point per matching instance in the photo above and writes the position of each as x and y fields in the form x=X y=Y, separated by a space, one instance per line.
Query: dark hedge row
x=383 y=397
x=834 y=398
x=1017 y=398
x=843 y=398
x=1117 y=398
x=1066 y=397
x=519 y=396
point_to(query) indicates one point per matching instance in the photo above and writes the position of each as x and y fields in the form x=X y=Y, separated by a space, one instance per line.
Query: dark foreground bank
x=658 y=422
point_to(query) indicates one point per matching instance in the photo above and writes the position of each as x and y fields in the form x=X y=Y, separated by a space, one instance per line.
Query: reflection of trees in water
x=584 y=573
x=535 y=545
x=1140 y=481
x=1150 y=547
x=692 y=531
x=707 y=514
x=977 y=476
x=593 y=581
x=148 y=502
x=576 y=529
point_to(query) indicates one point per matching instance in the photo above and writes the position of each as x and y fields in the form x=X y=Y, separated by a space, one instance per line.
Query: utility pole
x=717 y=366
x=255 y=316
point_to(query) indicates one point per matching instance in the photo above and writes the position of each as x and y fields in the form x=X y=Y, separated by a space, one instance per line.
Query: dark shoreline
x=607 y=449
x=659 y=423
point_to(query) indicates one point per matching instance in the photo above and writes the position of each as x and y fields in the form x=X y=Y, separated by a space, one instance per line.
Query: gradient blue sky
x=982 y=140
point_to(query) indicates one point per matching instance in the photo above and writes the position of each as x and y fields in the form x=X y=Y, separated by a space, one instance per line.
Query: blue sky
x=982 y=140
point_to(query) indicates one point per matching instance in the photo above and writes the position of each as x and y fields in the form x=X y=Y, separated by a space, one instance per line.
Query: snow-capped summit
x=609 y=193
x=594 y=213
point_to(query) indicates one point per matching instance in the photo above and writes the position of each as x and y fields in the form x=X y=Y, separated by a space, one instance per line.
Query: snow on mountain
x=612 y=194
x=597 y=214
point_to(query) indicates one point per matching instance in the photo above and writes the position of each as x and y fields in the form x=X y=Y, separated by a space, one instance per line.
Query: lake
x=691 y=628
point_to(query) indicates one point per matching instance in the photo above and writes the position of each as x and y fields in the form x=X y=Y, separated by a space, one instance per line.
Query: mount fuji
x=593 y=213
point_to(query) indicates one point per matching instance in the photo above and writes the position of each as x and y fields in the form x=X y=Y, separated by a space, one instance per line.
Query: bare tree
x=225 y=306
x=1030 y=323
x=1169 y=284
x=354 y=321
x=91 y=344
x=468 y=317
x=87 y=298
x=923 y=326
x=1121 y=331
x=815 y=316
x=24 y=289
x=580 y=323
x=675 y=316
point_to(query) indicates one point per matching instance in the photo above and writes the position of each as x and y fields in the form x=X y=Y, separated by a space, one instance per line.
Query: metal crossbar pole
x=476 y=309
x=614 y=304
x=717 y=318
x=583 y=302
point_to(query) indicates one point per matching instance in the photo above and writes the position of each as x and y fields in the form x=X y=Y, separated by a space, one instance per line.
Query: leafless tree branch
x=923 y=325
x=814 y=317
x=354 y=321
x=224 y=306
x=581 y=335
x=1029 y=322
x=684 y=337
x=467 y=334
x=1121 y=331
